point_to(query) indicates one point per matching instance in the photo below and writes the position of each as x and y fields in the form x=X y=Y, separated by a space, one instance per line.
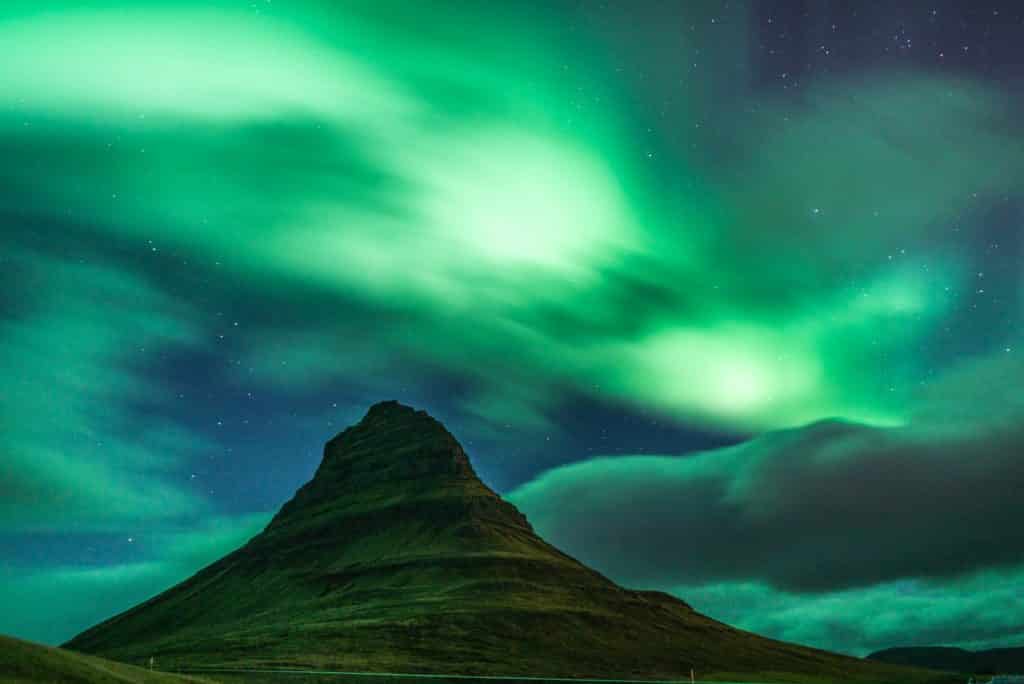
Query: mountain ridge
x=395 y=556
x=988 y=661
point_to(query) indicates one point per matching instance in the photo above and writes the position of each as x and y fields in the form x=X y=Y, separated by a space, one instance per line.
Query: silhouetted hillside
x=396 y=557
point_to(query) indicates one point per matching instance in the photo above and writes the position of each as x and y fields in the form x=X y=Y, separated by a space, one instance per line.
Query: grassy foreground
x=22 y=661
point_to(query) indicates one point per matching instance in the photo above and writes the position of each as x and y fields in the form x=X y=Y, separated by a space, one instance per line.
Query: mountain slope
x=396 y=557
x=996 y=660
x=22 y=661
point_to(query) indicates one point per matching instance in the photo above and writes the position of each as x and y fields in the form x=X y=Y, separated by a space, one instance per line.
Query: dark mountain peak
x=396 y=441
x=395 y=462
x=391 y=409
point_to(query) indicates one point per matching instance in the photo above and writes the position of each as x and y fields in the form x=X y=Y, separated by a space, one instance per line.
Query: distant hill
x=21 y=661
x=395 y=557
x=993 y=661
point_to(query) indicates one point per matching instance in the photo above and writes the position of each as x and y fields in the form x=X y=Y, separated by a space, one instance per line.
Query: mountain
x=993 y=661
x=22 y=661
x=395 y=557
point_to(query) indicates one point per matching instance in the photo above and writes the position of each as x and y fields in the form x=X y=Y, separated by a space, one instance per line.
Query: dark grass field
x=225 y=676
x=22 y=662
x=718 y=678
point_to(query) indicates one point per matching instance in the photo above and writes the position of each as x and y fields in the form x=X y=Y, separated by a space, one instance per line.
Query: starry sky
x=726 y=296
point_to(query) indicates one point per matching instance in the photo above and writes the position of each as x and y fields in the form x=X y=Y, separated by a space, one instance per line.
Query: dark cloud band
x=831 y=506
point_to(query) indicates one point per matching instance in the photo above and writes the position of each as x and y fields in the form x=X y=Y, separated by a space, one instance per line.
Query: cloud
x=77 y=452
x=827 y=507
x=408 y=183
x=194 y=63
x=838 y=535
x=895 y=165
x=976 y=612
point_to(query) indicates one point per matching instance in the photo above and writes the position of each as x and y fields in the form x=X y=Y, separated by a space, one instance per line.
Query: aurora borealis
x=727 y=297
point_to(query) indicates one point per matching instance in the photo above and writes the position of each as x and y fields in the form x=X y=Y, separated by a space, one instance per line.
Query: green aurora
x=533 y=207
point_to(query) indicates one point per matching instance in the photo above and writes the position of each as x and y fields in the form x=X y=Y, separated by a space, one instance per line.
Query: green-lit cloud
x=75 y=456
x=409 y=171
x=974 y=612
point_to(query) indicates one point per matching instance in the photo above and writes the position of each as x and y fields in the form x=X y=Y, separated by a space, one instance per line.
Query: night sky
x=727 y=297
